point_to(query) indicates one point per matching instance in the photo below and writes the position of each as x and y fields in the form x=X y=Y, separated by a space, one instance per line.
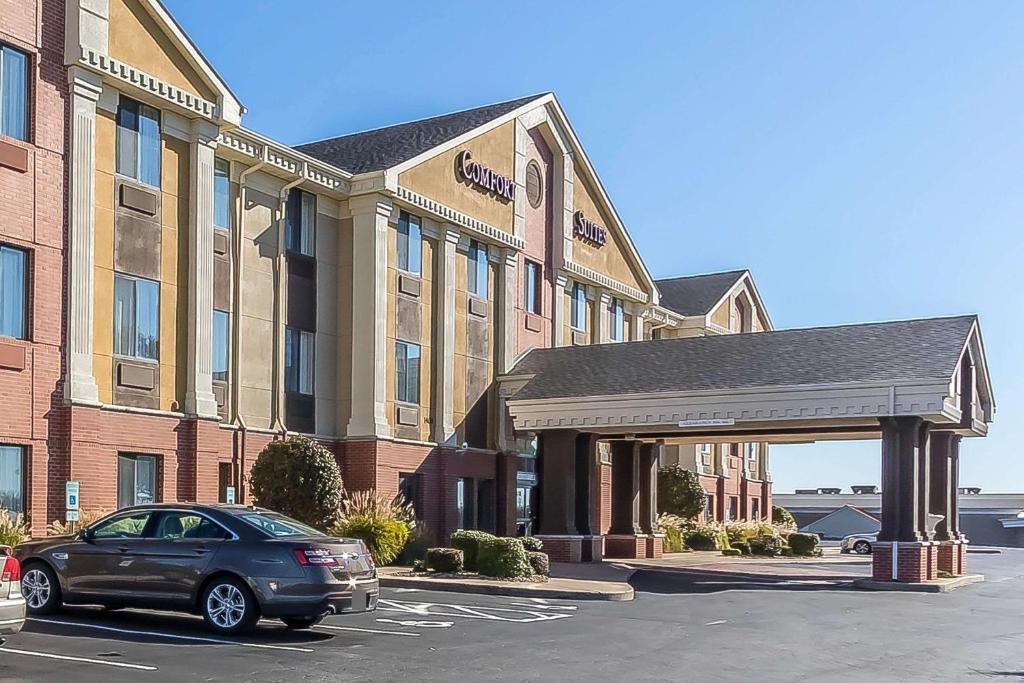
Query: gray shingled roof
x=382 y=148
x=696 y=294
x=869 y=353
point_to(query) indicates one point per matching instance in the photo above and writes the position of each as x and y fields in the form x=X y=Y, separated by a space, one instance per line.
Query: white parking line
x=369 y=630
x=432 y=609
x=174 y=636
x=69 y=658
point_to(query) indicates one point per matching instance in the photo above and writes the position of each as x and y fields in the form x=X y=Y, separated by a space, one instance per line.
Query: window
x=534 y=184
x=532 y=303
x=136 y=317
x=704 y=453
x=13 y=93
x=221 y=320
x=13 y=293
x=464 y=503
x=407 y=372
x=298 y=361
x=12 y=479
x=136 y=480
x=709 y=508
x=579 y=306
x=732 y=514
x=125 y=526
x=477 y=270
x=617 y=321
x=221 y=195
x=188 y=525
x=755 y=509
x=300 y=222
x=409 y=489
x=138 y=142
x=410 y=243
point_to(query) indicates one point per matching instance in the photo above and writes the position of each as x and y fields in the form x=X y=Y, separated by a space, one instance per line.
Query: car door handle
x=203 y=551
x=123 y=548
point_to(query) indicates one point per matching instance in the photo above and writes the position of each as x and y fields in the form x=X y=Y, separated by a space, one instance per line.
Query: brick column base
x=916 y=562
x=593 y=549
x=625 y=547
x=654 y=546
x=962 y=553
x=563 y=548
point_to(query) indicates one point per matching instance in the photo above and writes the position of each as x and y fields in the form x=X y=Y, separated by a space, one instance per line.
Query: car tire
x=862 y=548
x=301 y=623
x=41 y=589
x=229 y=607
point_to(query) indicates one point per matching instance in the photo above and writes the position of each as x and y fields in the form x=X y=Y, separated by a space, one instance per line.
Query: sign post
x=71 y=502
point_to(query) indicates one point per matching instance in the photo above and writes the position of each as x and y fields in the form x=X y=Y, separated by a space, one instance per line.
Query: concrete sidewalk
x=597 y=582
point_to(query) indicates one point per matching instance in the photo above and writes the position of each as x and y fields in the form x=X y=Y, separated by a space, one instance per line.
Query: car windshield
x=276 y=524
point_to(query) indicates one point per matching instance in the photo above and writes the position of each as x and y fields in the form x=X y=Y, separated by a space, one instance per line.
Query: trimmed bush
x=469 y=543
x=680 y=492
x=803 y=544
x=444 y=559
x=673 y=542
x=532 y=543
x=768 y=546
x=385 y=538
x=503 y=558
x=742 y=546
x=419 y=565
x=540 y=563
x=702 y=539
x=731 y=552
x=415 y=548
x=781 y=515
x=300 y=478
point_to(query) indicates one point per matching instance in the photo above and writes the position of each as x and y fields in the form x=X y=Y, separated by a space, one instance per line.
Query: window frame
x=289 y=334
x=142 y=110
x=26 y=114
x=25 y=304
x=135 y=458
x=403 y=367
x=22 y=477
x=477 y=269
x=532 y=277
x=225 y=316
x=134 y=353
x=222 y=169
x=289 y=229
x=412 y=263
x=617 y=320
x=578 y=307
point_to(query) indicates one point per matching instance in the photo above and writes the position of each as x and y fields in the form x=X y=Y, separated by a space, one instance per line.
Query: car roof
x=220 y=507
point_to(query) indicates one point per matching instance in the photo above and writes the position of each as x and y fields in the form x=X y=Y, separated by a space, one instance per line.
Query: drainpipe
x=277 y=422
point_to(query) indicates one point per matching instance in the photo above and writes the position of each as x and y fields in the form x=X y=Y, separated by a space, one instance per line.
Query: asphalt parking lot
x=676 y=629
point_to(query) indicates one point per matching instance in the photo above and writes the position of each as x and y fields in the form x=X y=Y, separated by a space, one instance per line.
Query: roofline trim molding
x=604 y=281
x=285 y=159
x=446 y=213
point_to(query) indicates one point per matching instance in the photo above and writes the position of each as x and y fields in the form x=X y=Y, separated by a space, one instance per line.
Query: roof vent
x=865 y=489
x=830 y=492
x=969 y=490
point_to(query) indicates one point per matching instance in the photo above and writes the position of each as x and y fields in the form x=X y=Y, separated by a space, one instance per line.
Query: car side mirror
x=86 y=535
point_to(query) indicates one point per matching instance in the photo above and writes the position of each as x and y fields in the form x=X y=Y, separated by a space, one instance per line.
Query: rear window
x=278 y=525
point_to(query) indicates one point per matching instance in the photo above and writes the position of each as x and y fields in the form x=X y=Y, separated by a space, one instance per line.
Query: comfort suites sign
x=476 y=173
x=588 y=230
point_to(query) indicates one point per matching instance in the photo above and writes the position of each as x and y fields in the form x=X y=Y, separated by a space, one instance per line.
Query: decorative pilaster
x=558 y=310
x=636 y=330
x=370 y=214
x=625 y=488
x=199 y=399
x=603 y=316
x=444 y=386
x=80 y=385
x=506 y=331
x=561 y=243
x=901 y=489
x=558 y=482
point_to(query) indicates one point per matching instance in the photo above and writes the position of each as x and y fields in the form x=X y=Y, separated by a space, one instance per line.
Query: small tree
x=300 y=478
x=781 y=515
x=680 y=492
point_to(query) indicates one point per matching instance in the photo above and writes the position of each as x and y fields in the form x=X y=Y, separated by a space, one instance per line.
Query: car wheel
x=298 y=624
x=229 y=606
x=862 y=548
x=41 y=589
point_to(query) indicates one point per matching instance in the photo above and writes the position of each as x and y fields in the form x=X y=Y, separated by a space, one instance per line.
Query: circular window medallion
x=534 y=183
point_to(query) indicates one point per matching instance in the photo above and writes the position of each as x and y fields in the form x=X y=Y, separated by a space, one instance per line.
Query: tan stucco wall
x=103 y=271
x=611 y=259
x=436 y=178
x=135 y=38
x=326 y=351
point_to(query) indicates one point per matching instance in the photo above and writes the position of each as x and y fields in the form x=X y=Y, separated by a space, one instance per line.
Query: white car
x=12 y=604
x=858 y=543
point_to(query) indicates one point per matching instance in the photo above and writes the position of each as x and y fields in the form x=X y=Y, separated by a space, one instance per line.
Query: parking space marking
x=173 y=636
x=533 y=605
x=69 y=658
x=418 y=623
x=433 y=609
x=409 y=634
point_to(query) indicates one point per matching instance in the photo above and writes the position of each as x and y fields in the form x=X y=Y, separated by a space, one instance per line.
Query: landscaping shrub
x=803 y=544
x=540 y=563
x=532 y=543
x=673 y=542
x=419 y=565
x=781 y=515
x=503 y=558
x=702 y=539
x=13 y=529
x=416 y=547
x=469 y=543
x=300 y=478
x=770 y=546
x=680 y=492
x=85 y=518
x=731 y=552
x=385 y=538
x=742 y=546
x=444 y=559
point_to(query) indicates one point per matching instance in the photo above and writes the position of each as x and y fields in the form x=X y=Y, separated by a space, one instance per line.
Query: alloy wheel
x=35 y=588
x=226 y=606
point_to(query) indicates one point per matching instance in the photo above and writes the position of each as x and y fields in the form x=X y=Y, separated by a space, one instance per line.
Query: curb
x=939 y=586
x=624 y=592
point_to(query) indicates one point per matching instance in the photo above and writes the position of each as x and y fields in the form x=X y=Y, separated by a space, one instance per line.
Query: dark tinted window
x=125 y=526
x=188 y=525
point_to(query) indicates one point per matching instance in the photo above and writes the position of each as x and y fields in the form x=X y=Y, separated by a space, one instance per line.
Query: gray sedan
x=858 y=543
x=229 y=563
x=12 y=605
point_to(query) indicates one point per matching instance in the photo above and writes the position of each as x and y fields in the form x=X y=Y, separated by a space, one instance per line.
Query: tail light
x=319 y=557
x=11 y=569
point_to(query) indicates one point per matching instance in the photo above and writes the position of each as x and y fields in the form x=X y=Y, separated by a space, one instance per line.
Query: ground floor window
x=12 y=479
x=409 y=489
x=734 y=509
x=136 y=479
x=709 y=508
x=755 y=509
x=224 y=479
x=464 y=503
x=525 y=497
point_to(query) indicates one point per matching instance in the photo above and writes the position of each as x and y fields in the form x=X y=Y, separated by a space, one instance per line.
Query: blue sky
x=862 y=159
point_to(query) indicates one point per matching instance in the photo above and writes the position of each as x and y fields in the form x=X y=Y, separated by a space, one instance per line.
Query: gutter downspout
x=278 y=406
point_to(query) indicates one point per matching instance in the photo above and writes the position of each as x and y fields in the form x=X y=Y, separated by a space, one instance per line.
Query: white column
x=80 y=383
x=636 y=332
x=199 y=399
x=603 y=318
x=763 y=464
x=562 y=190
x=370 y=215
x=444 y=382
x=558 y=310
x=506 y=331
